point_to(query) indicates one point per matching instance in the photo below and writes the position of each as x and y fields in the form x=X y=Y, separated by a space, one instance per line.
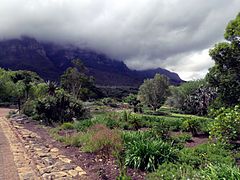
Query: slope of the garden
x=96 y=165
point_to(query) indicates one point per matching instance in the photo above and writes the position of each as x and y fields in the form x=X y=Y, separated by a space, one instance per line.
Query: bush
x=67 y=125
x=170 y=171
x=99 y=138
x=192 y=125
x=109 y=102
x=221 y=171
x=111 y=123
x=196 y=125
x=144 y=151
x=59 y=108
x=162 y=130
x=202 y=155
x=29 y=108
x=83 y=125
x=226 y=125
x=182 y=138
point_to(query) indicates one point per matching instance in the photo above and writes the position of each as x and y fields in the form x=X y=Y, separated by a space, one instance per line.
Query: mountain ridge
x=50 y=61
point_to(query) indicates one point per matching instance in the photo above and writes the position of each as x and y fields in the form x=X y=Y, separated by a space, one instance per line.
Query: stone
x=54 y=150
x=64 y=159
x=46 y=170
x=73 y=173
x=48 y=161
x=59 y=174
x=67 y=167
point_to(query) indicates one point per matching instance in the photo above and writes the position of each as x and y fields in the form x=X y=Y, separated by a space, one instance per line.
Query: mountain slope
x=50 y=61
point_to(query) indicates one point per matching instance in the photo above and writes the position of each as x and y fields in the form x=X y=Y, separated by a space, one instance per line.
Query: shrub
x=144 y=151
x=99 y=138
x=170 y=171
x=29 y=108
x=73 y=140
x=162 y=130
x=221 y=171
x=192 y=125
x=182 y=138
x=111 y=123
x=59 y=108
x=83 y=124
x=109 y=102
x=226 y=125
x=204 y=154
x=67 y=125
x=196 y=125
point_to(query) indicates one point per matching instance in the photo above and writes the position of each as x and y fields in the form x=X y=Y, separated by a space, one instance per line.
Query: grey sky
x=173 y=34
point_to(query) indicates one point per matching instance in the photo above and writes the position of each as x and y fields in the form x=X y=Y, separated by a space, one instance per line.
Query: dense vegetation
x=151 y=130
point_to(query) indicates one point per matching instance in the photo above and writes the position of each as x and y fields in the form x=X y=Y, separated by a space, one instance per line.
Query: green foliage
x=109 y=102
x=132 y=100
x=15 y=86
x=226 y=126
x=220 y=171
x=182 y=138
x=178 y=94
x=83 y=124
x=196 y=125
x=204 y=154
x=162 y=130
x=153 y=92
x=39 y=90
x=171 y=171
x=67 y=125
x=59 y=108
x=29 y=108
x=77 y=83
x=144 y=151
x=225 y=74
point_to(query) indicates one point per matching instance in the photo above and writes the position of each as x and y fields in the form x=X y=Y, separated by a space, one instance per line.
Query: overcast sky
x=172 y=34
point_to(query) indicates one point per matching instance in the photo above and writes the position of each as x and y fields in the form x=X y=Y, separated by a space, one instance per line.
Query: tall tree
x=225 y=74
x=153 y=92
x=76 y=82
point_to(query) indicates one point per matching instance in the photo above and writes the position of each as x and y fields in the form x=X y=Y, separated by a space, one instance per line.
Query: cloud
x=172 y=34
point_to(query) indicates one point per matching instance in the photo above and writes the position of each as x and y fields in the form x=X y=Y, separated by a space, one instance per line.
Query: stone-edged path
x=25 y=158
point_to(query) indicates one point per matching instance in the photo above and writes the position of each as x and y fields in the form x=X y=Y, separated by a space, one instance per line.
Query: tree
x=132 y=100
x=199 y=101
x=153 y=92
x=28 y=78
x=76 y=82
x=225 y=74
x=178 y=94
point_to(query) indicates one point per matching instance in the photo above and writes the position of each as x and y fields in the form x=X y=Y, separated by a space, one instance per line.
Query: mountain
x=51 y=60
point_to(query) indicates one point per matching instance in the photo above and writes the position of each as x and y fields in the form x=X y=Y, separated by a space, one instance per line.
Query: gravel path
x=8 y=169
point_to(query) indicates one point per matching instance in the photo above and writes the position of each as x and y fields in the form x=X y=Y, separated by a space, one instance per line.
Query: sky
x=171 y=34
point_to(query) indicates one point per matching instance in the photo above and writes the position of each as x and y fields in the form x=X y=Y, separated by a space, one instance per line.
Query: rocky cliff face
x=50 y=61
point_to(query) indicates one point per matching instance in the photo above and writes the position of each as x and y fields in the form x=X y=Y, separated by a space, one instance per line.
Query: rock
x=54 y=150
x=67 y=167
x=73 y=173
x=46 y=170
x=59 y=174
x=80 y=171
x=48 y=161
x=64 y=159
